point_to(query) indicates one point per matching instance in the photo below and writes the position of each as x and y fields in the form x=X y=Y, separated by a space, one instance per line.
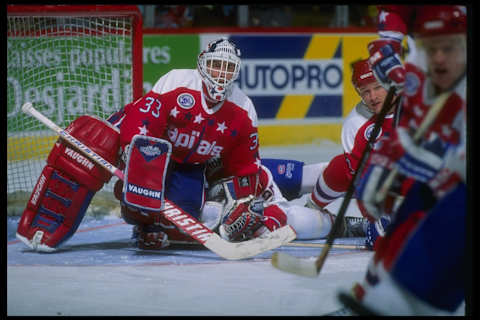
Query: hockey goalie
x=165 y=137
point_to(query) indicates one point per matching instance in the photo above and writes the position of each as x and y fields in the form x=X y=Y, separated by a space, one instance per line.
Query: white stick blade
x=27 y=107
x=287 y=263
x=250 y=248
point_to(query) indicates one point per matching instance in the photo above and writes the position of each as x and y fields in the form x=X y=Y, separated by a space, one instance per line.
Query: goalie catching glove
x=244 y=221
x=247 y=217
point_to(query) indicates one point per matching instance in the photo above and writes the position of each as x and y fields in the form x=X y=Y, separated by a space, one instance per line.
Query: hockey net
x=68 y=61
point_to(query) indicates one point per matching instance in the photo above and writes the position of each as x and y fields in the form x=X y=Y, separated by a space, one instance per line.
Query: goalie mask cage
x=68 y=60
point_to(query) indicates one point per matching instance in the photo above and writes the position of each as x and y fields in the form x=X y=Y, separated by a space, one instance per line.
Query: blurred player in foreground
x=415 y=269
x=326 y=181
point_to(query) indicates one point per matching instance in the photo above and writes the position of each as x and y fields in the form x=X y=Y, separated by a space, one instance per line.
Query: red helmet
x=362 y=74
x=440 y=20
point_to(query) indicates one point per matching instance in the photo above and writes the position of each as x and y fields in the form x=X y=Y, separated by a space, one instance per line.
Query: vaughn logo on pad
x=144 y=191
x=146 y=166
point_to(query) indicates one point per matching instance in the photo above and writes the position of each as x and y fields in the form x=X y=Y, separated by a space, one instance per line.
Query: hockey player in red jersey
x=333 y=181
x=327 y=181
x=335 y=178
x=203 y=115
x=410 y=273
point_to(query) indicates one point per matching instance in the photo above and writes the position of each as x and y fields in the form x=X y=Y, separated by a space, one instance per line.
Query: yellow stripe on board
x=25 y=148
x=294 y=107
x=275 y=135
x=322 y=47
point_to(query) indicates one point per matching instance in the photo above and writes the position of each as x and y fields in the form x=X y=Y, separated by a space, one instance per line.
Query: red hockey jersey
x=175 y=110
x=333 y=182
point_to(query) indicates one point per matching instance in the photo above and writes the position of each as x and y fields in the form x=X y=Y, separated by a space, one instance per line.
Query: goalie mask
x=219 y=66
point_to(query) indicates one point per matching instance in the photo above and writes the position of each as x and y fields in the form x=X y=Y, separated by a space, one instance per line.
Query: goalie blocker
x=142 y=194
x=67 y=184
x=146 y=166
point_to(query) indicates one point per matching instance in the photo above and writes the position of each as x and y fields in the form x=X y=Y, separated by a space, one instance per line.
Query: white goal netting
x=67 y=66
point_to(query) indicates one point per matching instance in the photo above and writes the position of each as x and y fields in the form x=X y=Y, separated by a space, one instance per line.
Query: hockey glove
x=386 y=65
x=367 y=189
x=416 y=161
x=243 y=221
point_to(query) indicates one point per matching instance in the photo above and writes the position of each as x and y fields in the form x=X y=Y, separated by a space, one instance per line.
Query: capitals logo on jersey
x=193 y=141
x=186 y=101
x=369 y=131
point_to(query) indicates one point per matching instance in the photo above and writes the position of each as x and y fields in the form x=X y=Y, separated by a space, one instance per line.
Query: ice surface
x=98 y=273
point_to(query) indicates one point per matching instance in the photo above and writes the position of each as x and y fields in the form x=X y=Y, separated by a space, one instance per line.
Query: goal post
x=68 y=60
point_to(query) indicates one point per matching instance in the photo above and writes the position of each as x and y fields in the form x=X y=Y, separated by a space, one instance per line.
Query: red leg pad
x=67 y=184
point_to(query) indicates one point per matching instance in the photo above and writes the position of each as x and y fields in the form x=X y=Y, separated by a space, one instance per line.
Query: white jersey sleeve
x=353 y=121
x=188 y=78
x=307 y=222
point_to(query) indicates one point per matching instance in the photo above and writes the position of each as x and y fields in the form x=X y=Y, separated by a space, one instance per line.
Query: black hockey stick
x=311 y=268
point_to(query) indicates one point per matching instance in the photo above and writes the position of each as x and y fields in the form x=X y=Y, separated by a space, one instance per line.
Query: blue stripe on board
x=322 y=106
x=272 y=47
x=267 y=106
x=325 y=106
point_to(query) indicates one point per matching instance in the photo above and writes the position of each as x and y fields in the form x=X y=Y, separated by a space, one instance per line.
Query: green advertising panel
x=162 y=53
x=67 y=77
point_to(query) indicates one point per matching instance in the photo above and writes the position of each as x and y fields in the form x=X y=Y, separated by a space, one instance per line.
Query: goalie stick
x=183 y=220
x=311 y=268
x=293 y=244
